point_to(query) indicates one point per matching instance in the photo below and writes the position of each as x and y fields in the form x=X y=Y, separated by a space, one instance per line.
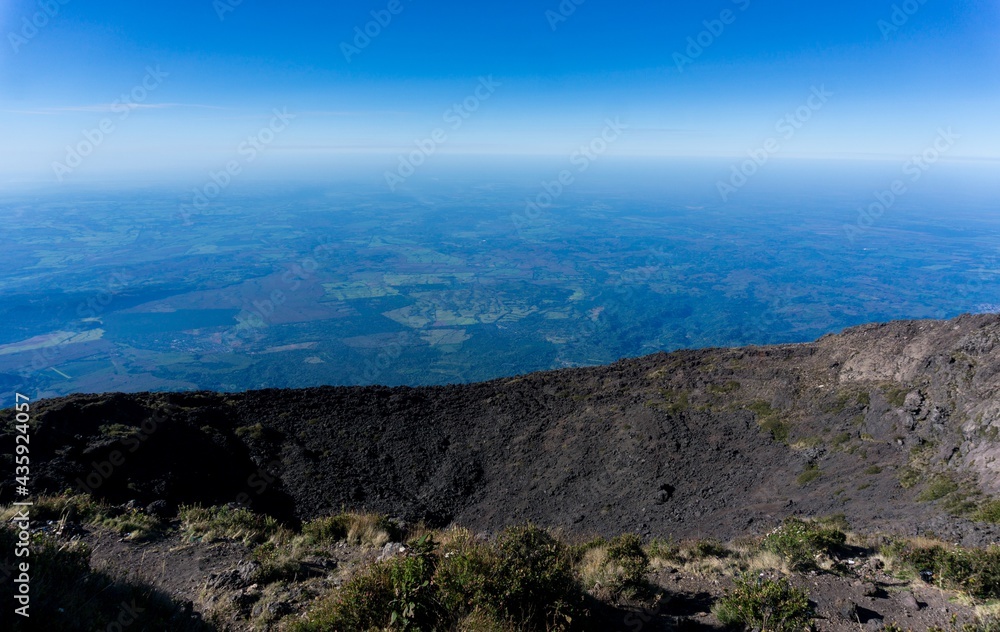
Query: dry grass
x=367 y=529
x=988 y=611
x=740 y=556
x=482 y=622
x=592 y=568
x=357 y=529
x=453 y=538
x=228 y=523
x=61 y=510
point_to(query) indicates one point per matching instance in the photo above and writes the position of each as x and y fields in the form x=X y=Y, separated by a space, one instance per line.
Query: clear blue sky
x=892 y=88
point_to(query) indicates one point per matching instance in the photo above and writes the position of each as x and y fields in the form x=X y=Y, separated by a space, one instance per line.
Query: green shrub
x=209 y=523
x=534 y=578
x=764 y=604
x=414 y=604
x=939 y=487
x=769 y=419
x=808 y=475
x=721 y=389
x=628 y=562
x=396 y=593
x=524 y=579
x=135 y=524
x=799 y=542
x=778 y=429
x=464 y=576
x=676 y=401
x=660 y=549
x=973 y=571
x=708 y=548
x=908 y=477
x=368 y=529
x=255 y=432
x=988 y=512
x=117 y=431
x=326 y=529
x=362 y=603
x=895 y=395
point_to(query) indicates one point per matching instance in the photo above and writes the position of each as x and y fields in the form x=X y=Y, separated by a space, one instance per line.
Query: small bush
x=326 y=530
x=973 y=571
x=233 y=523
x=535 y=582
x=808 y=475
x=659 y=549
x=708 y=548
x=908 y=477
x=799 y=542
x=523 y=581
x=465 y=578
x=255 y=432
x=769 y=419
x=414 y=604
x=135 y=524
x=988 y=512
x=366 y=529
x=620 y=565
x=721 y=389
x=778 y=429
x=895 y=395
x=939 y=487
x=117 y=431
x=764 y=604
x=396 y=593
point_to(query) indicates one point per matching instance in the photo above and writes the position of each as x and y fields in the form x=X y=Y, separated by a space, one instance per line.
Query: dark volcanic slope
x=875 y=423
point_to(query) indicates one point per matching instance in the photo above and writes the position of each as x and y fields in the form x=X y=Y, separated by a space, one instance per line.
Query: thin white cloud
x=114 y=107
x=353 y=112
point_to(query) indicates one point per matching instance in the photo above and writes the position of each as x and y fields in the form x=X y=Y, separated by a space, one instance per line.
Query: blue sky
x=895 y=73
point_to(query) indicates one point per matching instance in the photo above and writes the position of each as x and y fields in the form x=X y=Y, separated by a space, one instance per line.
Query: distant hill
x=894 y=425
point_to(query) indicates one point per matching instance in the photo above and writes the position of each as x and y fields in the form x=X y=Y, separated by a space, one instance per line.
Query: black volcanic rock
x=693 y=443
